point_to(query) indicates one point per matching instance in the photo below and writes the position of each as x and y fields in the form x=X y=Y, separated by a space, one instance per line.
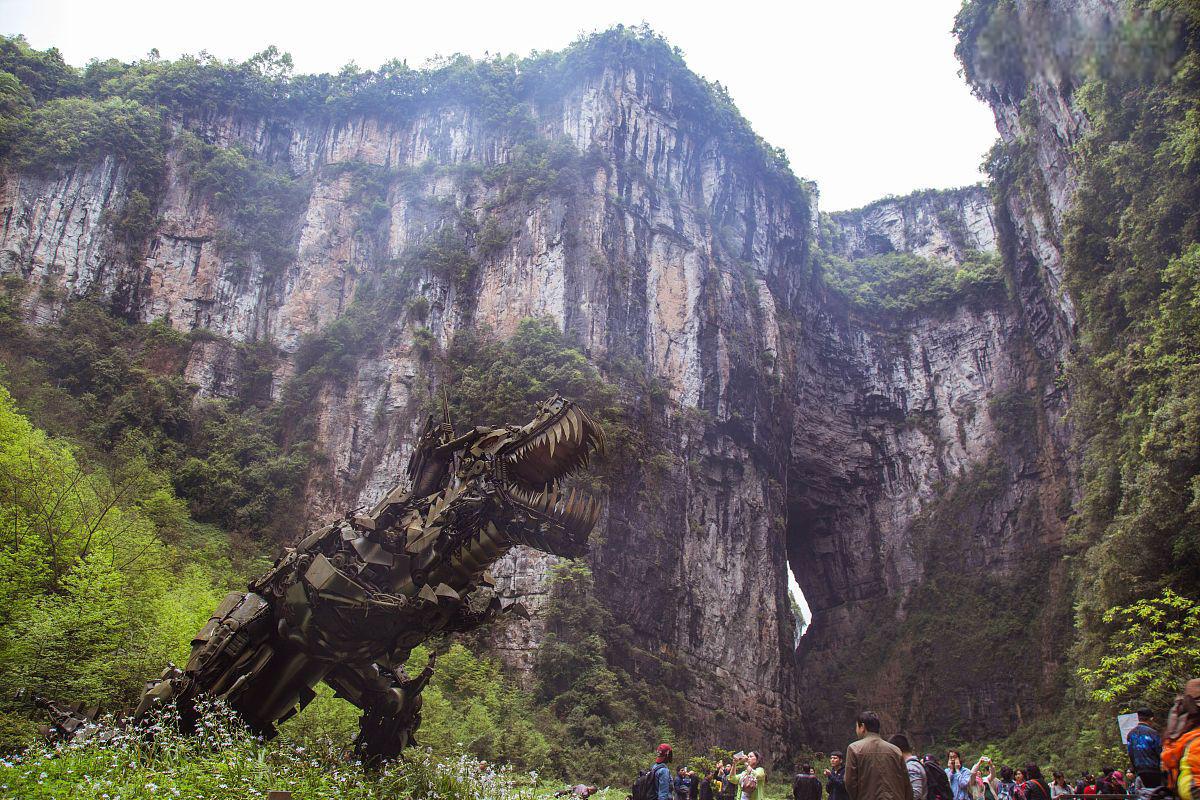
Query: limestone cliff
x=801 y=429
x=941 y=225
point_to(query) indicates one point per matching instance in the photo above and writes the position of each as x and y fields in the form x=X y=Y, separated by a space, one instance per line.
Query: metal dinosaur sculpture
x=349 y=603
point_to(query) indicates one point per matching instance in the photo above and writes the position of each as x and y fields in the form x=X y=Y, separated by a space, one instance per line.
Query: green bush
x=224 y=762
x=67 y=130
x=43 y=71
x=470 y=706
x=1131 y=242
x=118 y=388
x=1154 y=653
x=610 y=719
x=93 y=597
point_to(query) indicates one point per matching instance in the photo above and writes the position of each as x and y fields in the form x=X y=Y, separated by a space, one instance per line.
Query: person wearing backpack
x=1035 y=783
x=655 y=783
x=1144 y=747
x=937 y=784
x=1006 y=789
x=916 y=770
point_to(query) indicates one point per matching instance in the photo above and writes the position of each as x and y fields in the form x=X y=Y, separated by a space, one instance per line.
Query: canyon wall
x=799 y=430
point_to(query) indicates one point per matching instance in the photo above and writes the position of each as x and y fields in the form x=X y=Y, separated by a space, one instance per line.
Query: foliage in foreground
x=223 y=761
x=117 y=391
x=1154 y=652
x=95 y=591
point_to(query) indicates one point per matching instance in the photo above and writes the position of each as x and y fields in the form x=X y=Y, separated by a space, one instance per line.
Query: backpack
x=937 y=785
x=1181 y=758
x=646 y=785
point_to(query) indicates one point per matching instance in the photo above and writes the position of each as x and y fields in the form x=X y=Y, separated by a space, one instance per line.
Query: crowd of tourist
x=1161 y=766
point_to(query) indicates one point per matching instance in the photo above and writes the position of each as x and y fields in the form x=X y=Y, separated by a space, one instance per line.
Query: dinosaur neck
x=464 y=567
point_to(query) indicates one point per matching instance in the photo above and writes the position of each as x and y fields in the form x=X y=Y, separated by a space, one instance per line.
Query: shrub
x=224 y=762
x=67 y=130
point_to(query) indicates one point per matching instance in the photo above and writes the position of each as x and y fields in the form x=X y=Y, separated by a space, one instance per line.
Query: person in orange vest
x=1181 y=753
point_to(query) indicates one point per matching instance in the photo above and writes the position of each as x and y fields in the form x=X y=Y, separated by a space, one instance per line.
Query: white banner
x=1126 y=722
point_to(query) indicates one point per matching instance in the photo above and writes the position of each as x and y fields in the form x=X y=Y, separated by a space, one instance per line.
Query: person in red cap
x=663 y=756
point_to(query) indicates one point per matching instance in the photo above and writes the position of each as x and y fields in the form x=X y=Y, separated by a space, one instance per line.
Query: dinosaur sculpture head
x=474 y=496
x=531 y=463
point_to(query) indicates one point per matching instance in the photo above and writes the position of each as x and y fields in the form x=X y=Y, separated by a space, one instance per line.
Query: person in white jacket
x=984 y=785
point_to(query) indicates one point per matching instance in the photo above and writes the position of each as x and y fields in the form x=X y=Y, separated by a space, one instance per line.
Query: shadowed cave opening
x=818 y=518
x=812 y=559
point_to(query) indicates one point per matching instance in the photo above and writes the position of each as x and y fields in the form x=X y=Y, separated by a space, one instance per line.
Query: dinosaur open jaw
x=573 y=510
x=554 y=449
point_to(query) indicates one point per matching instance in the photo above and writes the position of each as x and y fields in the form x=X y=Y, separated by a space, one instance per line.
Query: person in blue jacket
x=1144 y=746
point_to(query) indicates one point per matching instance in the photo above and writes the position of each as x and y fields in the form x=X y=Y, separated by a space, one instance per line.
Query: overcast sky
x=863 y=94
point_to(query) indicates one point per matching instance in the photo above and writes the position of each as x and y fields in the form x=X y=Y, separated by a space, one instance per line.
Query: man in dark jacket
x=875 y=768
x=805 y=785
x=729 y=783
x=835 y=777
x=685 y=784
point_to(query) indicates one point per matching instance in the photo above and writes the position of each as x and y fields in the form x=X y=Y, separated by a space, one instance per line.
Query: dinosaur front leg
x=391 y=706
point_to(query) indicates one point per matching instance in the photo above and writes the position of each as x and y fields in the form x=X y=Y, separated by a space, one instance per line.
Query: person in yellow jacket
x=1181 y=743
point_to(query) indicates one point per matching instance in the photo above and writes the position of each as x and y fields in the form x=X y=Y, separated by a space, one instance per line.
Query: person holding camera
x=958 y=775
x=984 y=785
x=753 y=778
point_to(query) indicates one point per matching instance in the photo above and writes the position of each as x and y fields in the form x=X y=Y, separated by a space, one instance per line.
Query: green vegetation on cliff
x=260 y=200
x=53 y=117
x=1132 y=262
x=904 y=283
x=108 y=576
x=118 y=390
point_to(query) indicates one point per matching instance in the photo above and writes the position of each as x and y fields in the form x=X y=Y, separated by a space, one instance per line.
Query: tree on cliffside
x=608 y=715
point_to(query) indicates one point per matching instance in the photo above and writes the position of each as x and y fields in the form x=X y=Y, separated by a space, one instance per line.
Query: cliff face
x=1026 y=61
x=801 y=431
x=946 y=226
